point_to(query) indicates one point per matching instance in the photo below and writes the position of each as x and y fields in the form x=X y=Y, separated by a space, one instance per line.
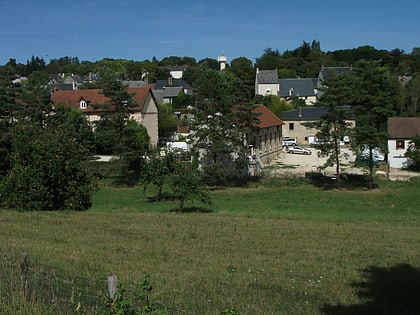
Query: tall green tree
x=119 y=135
x=36 y=97
x=110 y=128
x=10 y=99
x=217 y=137
x=244 y=70
x=333 y=125
x=377 y=96
x=135 y=149
x=412 y=100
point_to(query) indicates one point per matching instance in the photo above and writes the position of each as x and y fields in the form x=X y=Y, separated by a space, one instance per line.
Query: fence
x=27 y=282
x=23 y=281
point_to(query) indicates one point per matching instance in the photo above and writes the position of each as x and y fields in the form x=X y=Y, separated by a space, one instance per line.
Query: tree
x=48 y=171
x=276 y=104
x=186 y=184
x=377 y=96
x=413 y=153
x=76 y=125
x=36 y=98
x=167 y=121
x=110 y=128
x=218 y=137
x=412 y=92
x=333 y=125
x=135 y=147
x=270 y=59
x=157 y=171
x=10 y=96
x=119 y=135
x=243 y=69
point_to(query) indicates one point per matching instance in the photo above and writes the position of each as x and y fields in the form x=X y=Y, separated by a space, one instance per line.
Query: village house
x=166 y=90
x=400 y=132
x=145 y=113
x=267 y=82
x=269 y=134
x=301 y=88
x=295 y=119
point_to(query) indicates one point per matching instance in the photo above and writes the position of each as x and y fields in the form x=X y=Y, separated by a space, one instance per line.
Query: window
x=400 y=145
x=83 y=104
x=291 y=126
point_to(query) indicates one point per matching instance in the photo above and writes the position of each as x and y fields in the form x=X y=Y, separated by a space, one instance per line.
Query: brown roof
x=72 y=98
x=403 y=127
x=267 y=117
x=183 y=129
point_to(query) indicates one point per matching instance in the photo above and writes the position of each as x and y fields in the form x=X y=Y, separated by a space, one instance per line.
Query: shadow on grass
x=386 y=291
x=192 y=210
x=347 y=181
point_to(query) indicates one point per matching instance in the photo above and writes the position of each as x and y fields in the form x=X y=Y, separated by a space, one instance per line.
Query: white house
x=267 y=82
x=400 y=131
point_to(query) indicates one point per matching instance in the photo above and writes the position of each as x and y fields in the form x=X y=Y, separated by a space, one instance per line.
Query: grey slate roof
x=172 y=91
x=162 y=84
x=306 y=113
x=267 y=77
x=296 y=87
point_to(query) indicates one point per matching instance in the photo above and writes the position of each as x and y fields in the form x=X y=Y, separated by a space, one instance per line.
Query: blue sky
x=139 y=30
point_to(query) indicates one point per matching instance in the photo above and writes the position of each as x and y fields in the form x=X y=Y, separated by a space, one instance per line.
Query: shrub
x=48 y=172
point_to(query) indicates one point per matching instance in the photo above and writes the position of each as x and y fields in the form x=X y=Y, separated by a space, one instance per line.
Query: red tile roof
x=72 y=98
x=267 y=117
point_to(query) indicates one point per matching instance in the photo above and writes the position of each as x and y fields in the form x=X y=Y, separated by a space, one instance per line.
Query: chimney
x=300 y=112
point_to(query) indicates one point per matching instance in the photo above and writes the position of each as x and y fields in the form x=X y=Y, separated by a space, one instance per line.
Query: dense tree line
x=304 y=61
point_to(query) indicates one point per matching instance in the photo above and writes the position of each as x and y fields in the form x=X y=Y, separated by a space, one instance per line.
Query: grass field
x=277 y=247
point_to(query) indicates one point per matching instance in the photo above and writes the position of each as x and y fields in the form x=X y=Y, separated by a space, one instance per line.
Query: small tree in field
x=186 y=184
x=157 y=171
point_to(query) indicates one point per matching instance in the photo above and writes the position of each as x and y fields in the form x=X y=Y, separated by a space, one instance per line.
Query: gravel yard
x=297 y=164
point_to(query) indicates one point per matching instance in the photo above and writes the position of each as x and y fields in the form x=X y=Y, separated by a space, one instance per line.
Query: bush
x=48 y=172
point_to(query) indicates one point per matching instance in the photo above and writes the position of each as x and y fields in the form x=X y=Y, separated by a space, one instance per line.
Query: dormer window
x=83 y=104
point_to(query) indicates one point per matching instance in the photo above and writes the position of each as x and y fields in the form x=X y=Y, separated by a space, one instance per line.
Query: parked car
x=299 y=150
x=377 y=154
x=289 y=141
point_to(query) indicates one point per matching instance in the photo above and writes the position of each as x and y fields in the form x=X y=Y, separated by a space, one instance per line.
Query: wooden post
x=112 y=285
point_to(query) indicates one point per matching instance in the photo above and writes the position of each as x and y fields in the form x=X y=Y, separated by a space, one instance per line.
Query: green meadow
x=276 y=247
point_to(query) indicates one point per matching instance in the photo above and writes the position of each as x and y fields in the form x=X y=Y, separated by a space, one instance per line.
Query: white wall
x=268 y=89
x=396 y=156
